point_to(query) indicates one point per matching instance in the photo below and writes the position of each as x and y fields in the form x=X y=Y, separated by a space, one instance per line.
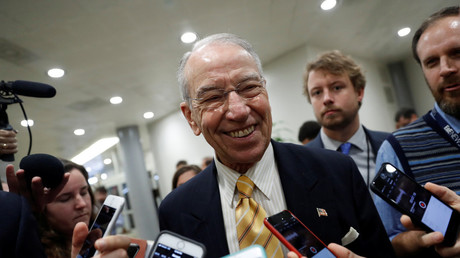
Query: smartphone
x=296 y=236
x=133 y=249
x=410 y=198
x=253 y=251
x=103 y=224
x=171 y=245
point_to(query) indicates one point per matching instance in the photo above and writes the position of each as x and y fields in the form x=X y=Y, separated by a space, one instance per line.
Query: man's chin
x=450 y=108
x=333 y=125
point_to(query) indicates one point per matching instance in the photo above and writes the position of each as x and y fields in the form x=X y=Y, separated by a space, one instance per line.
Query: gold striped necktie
x=250 y=221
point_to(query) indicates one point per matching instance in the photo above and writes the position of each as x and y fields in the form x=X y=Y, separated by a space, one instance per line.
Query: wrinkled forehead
x=218 y=60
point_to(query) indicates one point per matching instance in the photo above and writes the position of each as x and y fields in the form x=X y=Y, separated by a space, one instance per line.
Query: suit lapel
x=205 y=219
x=304 y=192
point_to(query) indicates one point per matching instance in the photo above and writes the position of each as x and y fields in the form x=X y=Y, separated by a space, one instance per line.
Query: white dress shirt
x=268 y=192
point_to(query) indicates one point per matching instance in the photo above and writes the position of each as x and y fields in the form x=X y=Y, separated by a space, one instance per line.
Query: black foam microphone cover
x=48 y=167
x=32 y=89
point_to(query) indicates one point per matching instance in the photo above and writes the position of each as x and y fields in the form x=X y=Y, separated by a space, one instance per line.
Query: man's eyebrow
x=249 y=77
x=205 y=88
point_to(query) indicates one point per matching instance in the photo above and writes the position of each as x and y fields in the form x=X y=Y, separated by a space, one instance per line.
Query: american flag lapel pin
x=321 y=212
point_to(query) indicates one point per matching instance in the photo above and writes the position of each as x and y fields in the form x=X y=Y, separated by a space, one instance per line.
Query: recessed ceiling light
x=188 y=37
x=104 y=176
x=92 y=180
x=116 y=100
x=328 y=4
x=24 y=122
x=107 y=161
x=148 y=115
x=95 y=149
x=56 y=72
x=79 y=132
x=404 y=32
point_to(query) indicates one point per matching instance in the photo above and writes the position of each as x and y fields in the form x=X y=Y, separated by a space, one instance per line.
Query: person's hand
x=338 y=250
x=415 y=239
x=38 y=196
x=8 y=142
x=342 y=252
x=110 y=246
x=291 y=254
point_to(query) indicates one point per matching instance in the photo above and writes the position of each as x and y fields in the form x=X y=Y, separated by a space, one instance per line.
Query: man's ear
x=360 y=94
x=188 y=115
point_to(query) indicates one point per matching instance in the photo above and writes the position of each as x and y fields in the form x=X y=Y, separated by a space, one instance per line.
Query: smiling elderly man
x=226 y=100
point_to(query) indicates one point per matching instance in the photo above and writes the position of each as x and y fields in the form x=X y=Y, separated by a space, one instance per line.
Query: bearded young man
x=334 y=85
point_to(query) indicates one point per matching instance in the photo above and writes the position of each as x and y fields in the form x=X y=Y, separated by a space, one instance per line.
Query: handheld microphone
x=49 y=168
x=28 y=88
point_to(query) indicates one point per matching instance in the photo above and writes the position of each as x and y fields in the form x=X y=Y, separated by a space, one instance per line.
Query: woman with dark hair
x=183 y=174
x=73 y=204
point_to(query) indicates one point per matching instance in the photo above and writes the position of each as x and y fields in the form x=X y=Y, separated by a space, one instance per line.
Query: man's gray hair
x=221 y=38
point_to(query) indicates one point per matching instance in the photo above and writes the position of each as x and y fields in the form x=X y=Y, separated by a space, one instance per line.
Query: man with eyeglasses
x=226 y=100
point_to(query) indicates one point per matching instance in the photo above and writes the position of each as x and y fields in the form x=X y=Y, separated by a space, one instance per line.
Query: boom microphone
x=30 y=89
x=49 y=168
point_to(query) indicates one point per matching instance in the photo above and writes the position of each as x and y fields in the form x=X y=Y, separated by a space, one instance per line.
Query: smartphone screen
x=133 y=249
x=97 y=231
x=412 y=199
x=299 y=236
x=253 y=251
x=172 y=245
x=165 y=251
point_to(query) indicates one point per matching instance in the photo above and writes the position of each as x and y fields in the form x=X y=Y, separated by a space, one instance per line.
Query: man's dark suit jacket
x=376 y=139
x=18 y=228
x=311 y=179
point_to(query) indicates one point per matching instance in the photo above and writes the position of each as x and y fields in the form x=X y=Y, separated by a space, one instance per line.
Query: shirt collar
x=262 y=174
x=358 y=140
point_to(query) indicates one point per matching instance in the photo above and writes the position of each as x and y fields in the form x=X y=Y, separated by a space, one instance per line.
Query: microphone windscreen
x=33 y=89
x=49 y=168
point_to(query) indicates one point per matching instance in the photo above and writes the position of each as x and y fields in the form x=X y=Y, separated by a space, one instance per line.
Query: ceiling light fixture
x=148 y=115
x=29 y=121
x=107 y=161
x=188 y=37
x=328 y=4
x=116 y=100
x=56 y=72
x=92 y=180
x=404 y=32
x=79 y=132
x=95 y=150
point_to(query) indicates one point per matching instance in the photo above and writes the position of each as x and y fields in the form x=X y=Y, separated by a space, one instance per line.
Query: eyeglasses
x=216 y=98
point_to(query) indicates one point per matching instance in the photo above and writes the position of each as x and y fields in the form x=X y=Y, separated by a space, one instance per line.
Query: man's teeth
x=242 y=133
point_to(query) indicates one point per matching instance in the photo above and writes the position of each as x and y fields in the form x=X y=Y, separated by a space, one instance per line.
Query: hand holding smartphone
x=103 y=224
x=410 y=198
x=296 y=236
x=171 y=245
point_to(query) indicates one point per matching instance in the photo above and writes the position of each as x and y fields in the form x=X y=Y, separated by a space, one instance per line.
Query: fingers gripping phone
x=171 y=245
x=103 y=224
x=296 y=236
x=410 y=198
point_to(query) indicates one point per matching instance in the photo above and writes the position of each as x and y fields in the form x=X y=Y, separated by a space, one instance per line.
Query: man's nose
x=327 y=97
x=447 y=66
x=237 y=108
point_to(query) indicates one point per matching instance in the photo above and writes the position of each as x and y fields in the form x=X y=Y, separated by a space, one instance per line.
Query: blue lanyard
x=446 y=128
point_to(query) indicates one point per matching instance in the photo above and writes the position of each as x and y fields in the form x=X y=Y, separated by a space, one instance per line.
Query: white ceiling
x=131 y=48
